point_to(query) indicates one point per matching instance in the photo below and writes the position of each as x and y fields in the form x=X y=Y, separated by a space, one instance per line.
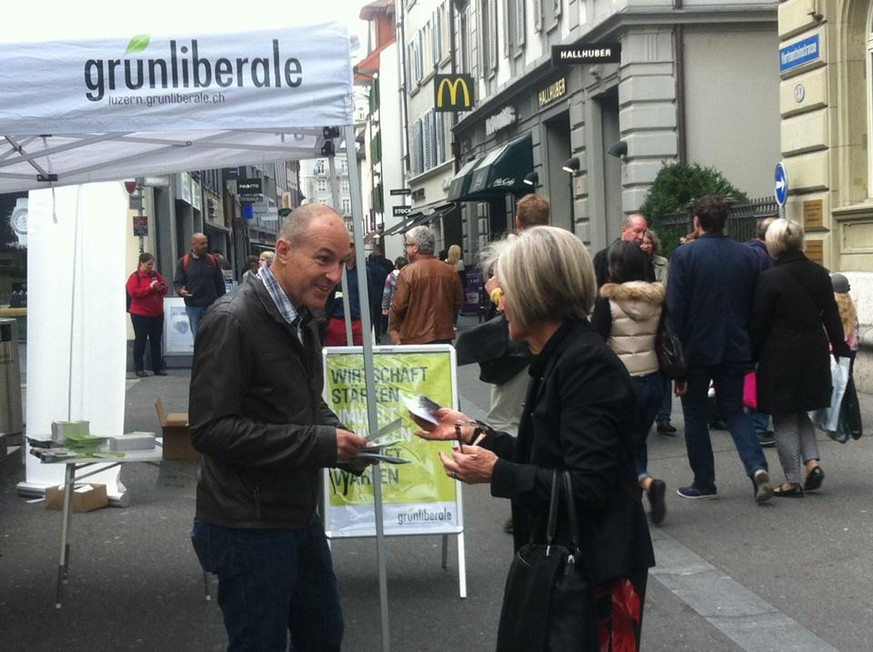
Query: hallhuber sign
x=563 y=55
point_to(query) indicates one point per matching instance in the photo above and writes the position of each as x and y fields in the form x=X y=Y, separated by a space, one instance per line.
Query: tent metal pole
x=334 y=198
x=369 y=373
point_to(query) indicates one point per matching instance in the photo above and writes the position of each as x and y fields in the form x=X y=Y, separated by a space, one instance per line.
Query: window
x=552 y=13
x=488 y=25
x=537 y=18
x=515 y=27
x=322 y=185
x=344 y=185
x=319 y=166
x=464 y=33
x=347 y=205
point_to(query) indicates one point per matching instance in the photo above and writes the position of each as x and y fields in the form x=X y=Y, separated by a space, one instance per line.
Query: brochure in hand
x=422 y=407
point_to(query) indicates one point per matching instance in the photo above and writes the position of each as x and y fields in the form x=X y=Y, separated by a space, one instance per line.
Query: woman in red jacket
x=146 y=289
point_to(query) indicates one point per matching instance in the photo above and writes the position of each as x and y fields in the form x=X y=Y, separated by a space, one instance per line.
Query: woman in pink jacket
x=146 y=289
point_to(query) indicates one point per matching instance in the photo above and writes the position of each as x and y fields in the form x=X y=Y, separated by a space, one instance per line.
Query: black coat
x=580 y=416
x=794 y=306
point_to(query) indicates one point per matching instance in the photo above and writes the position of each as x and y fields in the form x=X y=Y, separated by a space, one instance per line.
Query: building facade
x=689 y=77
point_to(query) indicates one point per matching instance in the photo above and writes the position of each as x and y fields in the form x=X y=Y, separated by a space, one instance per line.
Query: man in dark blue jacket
x=709 y=297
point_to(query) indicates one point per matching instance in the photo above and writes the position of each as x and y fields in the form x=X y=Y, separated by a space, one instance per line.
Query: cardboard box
x=86 y=497
x=176 y=435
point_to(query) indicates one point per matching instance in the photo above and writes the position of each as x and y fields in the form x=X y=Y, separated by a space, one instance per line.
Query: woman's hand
x=680 y=387
x=445 y=431
x=474 y=465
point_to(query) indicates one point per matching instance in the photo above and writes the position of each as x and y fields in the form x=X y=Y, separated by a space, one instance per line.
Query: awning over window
x=422 y=215
x=501 y=172
x=460 y=184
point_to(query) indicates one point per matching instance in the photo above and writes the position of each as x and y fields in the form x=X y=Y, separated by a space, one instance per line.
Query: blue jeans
x=760 y=421
x=728 y=378
x=195 y=314
x=272 y=582
x=650 y=395
x=666 y=409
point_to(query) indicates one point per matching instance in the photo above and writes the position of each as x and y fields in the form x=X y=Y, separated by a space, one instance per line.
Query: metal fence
x=741 y=225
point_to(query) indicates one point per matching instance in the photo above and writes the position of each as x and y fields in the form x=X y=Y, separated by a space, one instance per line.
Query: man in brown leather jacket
x=428 y=293
x=258 y=417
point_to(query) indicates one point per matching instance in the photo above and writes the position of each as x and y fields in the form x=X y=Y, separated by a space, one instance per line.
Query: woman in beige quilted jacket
x=627 y=314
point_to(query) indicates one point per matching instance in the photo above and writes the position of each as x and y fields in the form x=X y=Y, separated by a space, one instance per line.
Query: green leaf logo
x=137 y=44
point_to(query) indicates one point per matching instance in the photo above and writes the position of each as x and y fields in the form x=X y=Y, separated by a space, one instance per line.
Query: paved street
x=792 y=574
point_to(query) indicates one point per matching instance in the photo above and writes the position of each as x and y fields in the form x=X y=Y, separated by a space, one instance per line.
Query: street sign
x=781 y=184
x=400 y=211
x=563 y=55
x=400 y=191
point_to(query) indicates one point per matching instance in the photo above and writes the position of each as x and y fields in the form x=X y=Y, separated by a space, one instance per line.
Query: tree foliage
x=678 y=183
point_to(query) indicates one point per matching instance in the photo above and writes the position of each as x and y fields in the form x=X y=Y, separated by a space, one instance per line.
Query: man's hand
x=348 y=444
x=183 y=292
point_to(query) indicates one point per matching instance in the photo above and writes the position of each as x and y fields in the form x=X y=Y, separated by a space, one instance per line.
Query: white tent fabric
x=108 y=109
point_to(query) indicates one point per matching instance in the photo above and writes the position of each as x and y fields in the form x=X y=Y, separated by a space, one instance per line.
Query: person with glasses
x=428 y=293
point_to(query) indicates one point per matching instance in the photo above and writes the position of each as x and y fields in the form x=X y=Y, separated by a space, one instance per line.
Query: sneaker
x=657 y=500
x=696 y=492
x=766 y=439
x=141 y=374
x=666 y=428
x=763 y=490
x=718 y=424
x=160 y=372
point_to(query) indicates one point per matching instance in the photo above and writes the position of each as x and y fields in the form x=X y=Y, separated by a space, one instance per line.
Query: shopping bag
x=849 y=422
x=750 y=391
x=827 y=419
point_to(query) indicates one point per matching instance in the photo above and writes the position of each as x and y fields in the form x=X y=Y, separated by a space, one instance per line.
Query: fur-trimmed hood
x=638 y=299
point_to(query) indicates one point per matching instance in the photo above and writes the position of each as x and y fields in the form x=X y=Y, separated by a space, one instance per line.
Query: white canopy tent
x=106 y=109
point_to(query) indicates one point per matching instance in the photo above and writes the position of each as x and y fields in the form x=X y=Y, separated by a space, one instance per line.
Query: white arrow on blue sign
x=781 y=179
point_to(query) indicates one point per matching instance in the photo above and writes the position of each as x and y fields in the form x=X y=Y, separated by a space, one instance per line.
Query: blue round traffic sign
x=781 y=185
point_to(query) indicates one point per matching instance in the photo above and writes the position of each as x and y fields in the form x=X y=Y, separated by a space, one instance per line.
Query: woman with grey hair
x=794 y=318
x=579 y=416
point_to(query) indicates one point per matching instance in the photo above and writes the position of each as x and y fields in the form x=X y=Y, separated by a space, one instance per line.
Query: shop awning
x=502 y=171
x=460 y=184
x=422 y=215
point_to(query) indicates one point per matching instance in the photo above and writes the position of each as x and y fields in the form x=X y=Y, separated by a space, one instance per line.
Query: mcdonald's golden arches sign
x=452 y=93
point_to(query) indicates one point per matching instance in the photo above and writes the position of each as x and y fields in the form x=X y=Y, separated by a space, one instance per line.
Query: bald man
x=258 y=417
x=632 y=228
x=199 y=280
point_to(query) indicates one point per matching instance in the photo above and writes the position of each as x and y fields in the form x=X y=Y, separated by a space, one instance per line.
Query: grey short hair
x=546 y=274
x=784 y=235
x=763 y=225
x=422 y=237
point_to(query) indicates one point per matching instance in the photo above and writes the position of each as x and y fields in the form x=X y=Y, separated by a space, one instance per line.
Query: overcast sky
x=76 y=19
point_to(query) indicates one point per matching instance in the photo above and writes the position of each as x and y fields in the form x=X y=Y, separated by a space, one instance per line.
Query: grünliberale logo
x=182 y=67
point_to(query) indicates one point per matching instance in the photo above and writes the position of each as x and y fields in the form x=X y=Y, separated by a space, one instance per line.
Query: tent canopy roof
x=116 y=108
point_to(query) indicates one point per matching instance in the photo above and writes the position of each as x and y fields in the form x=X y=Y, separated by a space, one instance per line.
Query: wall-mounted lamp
x=618 y=149
x=571 y=165
x=532 y=178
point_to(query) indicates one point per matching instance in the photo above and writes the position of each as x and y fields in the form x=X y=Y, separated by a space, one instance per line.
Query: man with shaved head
x=258 y=418
x=199 y=280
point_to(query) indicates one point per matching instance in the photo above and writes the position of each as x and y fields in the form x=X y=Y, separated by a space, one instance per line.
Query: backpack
x=186 y=259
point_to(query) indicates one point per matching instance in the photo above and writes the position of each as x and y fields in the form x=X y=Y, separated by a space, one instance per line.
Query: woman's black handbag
x=668 y=346
x=548 y=603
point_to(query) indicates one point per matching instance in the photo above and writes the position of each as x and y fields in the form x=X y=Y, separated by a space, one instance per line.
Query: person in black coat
x=793 y=301
x=579 y=416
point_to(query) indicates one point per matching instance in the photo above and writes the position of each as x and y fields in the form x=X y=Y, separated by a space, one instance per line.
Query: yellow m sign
x=453 y=93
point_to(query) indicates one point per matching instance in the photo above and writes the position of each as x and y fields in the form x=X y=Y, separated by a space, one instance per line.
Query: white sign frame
x=332 y=513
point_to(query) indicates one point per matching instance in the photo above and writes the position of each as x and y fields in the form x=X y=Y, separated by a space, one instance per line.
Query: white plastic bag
x=826 y=418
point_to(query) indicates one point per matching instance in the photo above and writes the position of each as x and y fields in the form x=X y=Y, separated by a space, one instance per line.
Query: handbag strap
x=558 y=483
